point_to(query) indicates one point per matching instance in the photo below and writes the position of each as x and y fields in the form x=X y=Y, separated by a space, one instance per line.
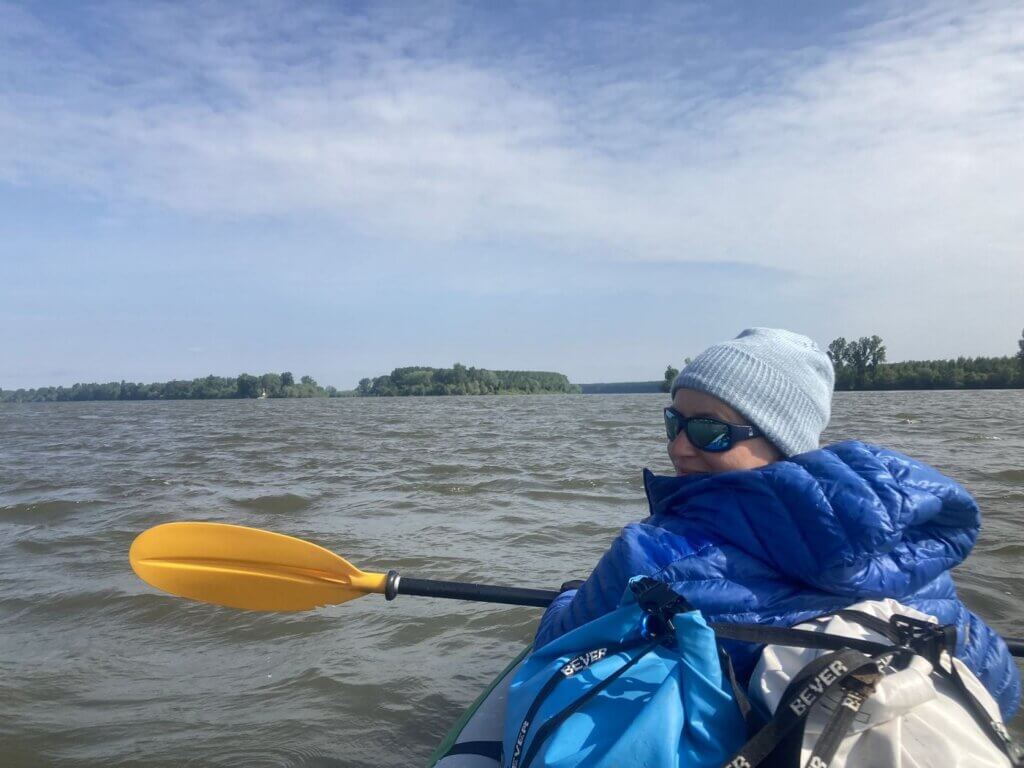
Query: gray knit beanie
x=779 y=380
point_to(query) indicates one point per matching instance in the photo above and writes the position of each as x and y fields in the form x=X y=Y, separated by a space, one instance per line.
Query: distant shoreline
x=962 y=374
x=12 y=401
x=622 y=388
x=401 y=382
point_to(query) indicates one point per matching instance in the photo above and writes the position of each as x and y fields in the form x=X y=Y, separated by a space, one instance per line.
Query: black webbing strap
x=659 y=603
x=804 y=691
x=751 y=718
x=874 y=623
x=909 y=636
x=994 y=729
x=932 y=641
x=855 y=691
x=556 y=720
x=570 y=668
x=491 y=749
x=799 y=638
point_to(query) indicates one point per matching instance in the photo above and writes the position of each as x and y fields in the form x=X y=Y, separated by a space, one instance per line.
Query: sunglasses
x=706 y=433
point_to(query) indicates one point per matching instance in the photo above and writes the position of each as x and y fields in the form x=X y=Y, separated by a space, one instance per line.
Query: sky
x=601 y=189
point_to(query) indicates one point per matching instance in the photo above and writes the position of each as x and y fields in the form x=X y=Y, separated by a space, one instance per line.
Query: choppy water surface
x=97 y=668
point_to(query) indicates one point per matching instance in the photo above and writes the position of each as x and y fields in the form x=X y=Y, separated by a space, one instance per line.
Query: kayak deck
x=475 y=740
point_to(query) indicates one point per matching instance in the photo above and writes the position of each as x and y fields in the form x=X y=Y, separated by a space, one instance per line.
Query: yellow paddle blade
x=246 y=568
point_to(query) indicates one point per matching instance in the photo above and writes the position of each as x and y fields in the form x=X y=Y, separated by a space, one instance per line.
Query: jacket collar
x=847 y=513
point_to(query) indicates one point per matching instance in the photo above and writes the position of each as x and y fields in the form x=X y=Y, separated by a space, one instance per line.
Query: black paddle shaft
x=1016 y=646
x=538 y=598
x=457 y=590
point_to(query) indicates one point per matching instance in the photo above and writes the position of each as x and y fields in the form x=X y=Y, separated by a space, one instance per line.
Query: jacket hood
x=850 y=519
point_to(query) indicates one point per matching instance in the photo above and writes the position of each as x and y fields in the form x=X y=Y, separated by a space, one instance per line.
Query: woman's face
x=746 y=454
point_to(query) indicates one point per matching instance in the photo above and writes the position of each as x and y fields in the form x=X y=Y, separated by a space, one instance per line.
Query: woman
x=760 y=525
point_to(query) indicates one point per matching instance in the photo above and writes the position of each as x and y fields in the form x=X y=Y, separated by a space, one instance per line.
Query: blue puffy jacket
x=799 y=538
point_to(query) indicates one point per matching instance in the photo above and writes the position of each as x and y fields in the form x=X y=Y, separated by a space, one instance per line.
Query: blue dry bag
x=641 y=686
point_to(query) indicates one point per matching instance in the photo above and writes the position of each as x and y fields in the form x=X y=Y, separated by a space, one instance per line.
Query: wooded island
x=457 y=380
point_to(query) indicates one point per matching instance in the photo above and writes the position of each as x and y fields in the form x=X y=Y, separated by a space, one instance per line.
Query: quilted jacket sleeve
x=601 y=592
x=986 y=654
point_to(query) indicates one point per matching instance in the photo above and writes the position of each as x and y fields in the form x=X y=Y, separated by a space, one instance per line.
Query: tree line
x=457 y=380
x=207 y=388
x=460 y=380
x=860 y=364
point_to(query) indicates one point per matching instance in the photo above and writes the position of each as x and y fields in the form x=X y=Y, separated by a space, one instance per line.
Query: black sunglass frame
x=737 y=432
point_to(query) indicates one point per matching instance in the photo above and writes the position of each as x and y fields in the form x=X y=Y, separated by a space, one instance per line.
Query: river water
x=96 y=668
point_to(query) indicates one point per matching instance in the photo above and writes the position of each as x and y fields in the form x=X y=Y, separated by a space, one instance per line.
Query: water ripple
x=97 y=668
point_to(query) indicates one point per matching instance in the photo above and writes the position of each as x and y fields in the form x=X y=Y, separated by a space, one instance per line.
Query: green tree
x=247 y=386
x=287 y=379
x=837 y=352
x=858 y=356
x=876 y=352
x=272 y=385
x=383 y=386
x=1020 y=354
x=670 y=376
x=176 y=390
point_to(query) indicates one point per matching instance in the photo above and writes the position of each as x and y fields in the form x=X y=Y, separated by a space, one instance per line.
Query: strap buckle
x=924 y=638
x=661 y=603
x=865 y=680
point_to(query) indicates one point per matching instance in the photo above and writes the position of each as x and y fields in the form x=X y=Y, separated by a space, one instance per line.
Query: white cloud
x=898 y=151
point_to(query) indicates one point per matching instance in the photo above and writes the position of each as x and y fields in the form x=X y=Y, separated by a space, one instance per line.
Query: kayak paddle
x=259 y=570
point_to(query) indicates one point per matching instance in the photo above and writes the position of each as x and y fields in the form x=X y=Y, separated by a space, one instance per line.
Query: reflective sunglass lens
x=709 y=435
x=671 y=426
